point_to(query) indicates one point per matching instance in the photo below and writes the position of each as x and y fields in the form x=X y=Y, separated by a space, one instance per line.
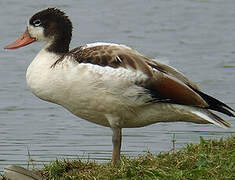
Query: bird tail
x=212 y=118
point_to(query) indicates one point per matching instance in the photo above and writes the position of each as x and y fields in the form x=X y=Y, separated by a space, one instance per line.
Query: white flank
x=110 y=75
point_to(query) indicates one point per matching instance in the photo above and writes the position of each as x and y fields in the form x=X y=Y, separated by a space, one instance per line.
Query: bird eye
x=37 y=23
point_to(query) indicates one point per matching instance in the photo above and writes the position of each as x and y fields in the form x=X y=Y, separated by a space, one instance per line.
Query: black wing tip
x=215 y=104
x=222 y=109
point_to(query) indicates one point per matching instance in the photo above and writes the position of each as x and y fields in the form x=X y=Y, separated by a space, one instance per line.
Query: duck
x=110 y=84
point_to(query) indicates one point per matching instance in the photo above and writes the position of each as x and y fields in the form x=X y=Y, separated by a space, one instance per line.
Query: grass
x=210 y=159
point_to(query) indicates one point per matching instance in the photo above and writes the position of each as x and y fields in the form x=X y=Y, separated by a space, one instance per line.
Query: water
x=195 y=36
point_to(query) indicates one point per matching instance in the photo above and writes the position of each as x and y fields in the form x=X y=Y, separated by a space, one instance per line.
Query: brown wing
x=116 y=56
x=171 y=72
x=175 y=91
x=165 y=82
x=111 y=55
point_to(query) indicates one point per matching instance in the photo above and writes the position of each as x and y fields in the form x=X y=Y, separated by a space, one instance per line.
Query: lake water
x=195 y=36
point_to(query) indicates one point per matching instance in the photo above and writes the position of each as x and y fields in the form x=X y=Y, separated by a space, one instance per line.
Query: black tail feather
x=215 y=104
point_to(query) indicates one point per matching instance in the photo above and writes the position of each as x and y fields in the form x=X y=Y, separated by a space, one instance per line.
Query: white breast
x=38 y=74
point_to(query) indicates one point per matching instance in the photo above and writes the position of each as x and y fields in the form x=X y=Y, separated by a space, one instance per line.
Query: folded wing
x=164 y=83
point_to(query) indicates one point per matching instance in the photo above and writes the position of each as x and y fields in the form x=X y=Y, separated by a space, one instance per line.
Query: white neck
x=39 y=71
